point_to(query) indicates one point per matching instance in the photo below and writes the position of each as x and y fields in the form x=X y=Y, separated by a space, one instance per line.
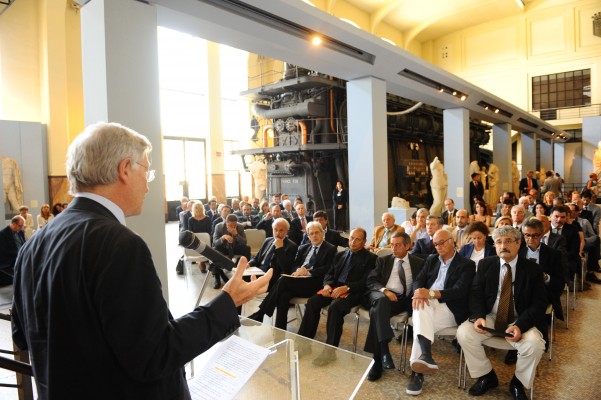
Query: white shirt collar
x=112 y=207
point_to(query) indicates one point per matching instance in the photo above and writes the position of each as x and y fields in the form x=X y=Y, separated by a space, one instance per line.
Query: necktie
x=346 y=269
x=459 y=236
x=402 y=276
x=304 y=223
x=450 y=222
x=529 y=183
x=384 y=240
x=269 y=257
x=313 y=258
x=505 y=308
x=585 y=208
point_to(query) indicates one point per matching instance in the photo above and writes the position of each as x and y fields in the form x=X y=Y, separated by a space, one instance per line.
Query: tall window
x=565 y=89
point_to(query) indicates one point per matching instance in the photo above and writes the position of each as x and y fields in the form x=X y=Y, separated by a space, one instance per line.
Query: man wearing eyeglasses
x=508 y=295
x=440 y=300
x=11 y=239
x=86 y=285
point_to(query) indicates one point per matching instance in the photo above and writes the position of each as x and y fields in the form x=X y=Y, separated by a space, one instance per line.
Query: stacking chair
x=495 y=343
x=191 y=255
x=551 y=312
x=20 y=365
x=395 y=322
x=254 y=238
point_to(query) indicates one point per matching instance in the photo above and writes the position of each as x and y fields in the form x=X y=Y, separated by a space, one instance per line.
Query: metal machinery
x=300 y=129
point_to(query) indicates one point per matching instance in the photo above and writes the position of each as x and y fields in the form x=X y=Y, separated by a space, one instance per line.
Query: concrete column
x=501 y=134
x=121 y=84
x=546 y=156
x=367 y=152
x=591 y=137
x=215 y=144
x=528 y=153
x=457 y=154
x=559 y=158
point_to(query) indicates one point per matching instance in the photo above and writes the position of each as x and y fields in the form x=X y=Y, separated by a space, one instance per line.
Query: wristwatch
x=432 y=294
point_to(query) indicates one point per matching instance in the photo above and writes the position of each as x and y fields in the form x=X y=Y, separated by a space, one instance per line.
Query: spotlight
x=463 y=97
x=315 y=40
x=496 y=111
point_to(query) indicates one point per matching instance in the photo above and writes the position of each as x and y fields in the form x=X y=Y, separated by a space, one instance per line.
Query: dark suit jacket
x=332 y=237
x=467 y=250
x=282 y=260
x=572 y=237
x=456 y=286
x=220 y=230
x=529 y=296
x=524 y=184
x=325 y=257
x=8 y=248
x=476 y=190
x=253 y=219
x=550 y=260
x=423 y=248
x=363 y=262
x=378 y=277
x=265 y=224
x=296 y=229
x=86 y=285
x=445 y=215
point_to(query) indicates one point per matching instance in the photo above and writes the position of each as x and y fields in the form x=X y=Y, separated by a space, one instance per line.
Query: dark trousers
x=338 y=309
x=380 y=311
x=283 y=291
x=339 y=218
x=593 y=255
x=230 y=252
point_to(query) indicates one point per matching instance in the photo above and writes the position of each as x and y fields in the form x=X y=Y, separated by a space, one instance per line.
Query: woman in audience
x=548 y=200
x=199 y=222
x=478 y=248
x=28 y=228
x=591 y=185
x=503 y=221
x=540 y=209
x=57 y=208
x=44 y=216
x=481 y=213
x=264 y=209
x=409 y=225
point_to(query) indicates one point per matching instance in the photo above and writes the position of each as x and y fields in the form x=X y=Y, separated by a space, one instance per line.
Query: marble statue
x=439 y=184
x=474 y=168
x=13 y=188
x=597 y=160
x=493 y=186
x=398 y=202
x=515 y=178
x=258 y=170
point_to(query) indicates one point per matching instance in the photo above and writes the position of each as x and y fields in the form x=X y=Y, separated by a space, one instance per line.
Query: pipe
x=265 y=135
x=307 y=108
x=303 y=132
x=332 y=126
x=407 y=111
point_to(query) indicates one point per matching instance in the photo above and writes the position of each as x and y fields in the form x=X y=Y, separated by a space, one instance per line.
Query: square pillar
x=121 y=84
x=591 y=138
x=528 y=153
x=367 y=152
x=456 y=154
x=501 y=134
x=546 y=157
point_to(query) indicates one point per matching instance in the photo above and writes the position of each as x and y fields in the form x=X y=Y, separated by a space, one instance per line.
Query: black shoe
x=217 y=283
x=517 y=389
x=387 y=362
x=415 y=384
x=591 y=277
x=511 y=357
x=375 y=373
x=457 y=346
x=484 y=383
x=424 y=365
x=258 y=316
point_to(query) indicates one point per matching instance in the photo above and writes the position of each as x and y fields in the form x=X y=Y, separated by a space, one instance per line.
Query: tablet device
x=494 y=332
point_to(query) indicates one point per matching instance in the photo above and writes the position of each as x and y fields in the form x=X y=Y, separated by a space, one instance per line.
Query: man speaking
x=88 y=303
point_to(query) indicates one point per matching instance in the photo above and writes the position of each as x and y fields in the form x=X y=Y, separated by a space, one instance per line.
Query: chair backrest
x=384 y=252
x=254 y=238
x=203 y=237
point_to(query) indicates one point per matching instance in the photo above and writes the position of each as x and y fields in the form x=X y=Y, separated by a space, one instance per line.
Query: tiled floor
x=571 y=374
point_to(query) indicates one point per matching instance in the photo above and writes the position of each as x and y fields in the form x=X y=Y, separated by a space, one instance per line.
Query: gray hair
x=507 y=231
x=314 y=224
x=423 y=210
x=406 y=238
x=93 y=157
x=278 y=220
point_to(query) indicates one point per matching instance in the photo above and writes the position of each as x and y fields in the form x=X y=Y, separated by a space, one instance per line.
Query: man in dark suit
x=87 y=283
x=230 y=240
x=476 y=188
x=211 y=208
x=180 y=208
x=390 y=288
x=425 y=246
x=343 y=288
x=590 y=211
x=440 y=301
x=298 y=226
x=248 y=220
x=522 y=292
x=276 y=252
x=568 y=231
x=310 y=266
x=527 y=183
x=185 y=215
x=448 y=215
x=11 y=240
x=331 y=236
x=224 y=211
x=265 y=224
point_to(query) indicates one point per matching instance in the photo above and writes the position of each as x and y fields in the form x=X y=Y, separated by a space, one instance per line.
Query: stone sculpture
x=13 y=187
x=439 y=185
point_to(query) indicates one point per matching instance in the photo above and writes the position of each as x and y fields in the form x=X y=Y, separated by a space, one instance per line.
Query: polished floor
x=571 y=374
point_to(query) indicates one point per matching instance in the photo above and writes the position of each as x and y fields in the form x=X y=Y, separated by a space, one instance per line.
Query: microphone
x=190 y=241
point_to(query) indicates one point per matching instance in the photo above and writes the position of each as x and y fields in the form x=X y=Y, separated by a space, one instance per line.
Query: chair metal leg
x=403 y=363
x=551 y=334
x=356 y=332
x=567 y=307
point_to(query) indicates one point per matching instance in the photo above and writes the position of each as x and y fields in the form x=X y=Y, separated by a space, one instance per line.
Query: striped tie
x=505 y=308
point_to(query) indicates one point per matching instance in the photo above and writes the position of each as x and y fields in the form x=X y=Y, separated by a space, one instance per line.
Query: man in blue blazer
x=11 y=240
x=440 y=300
x=425 y=246
x=86 y=286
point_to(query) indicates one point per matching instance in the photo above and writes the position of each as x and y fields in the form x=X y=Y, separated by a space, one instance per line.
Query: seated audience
x=540 y=209
x=440 y=300
x=503 y=221
x=504 y=209
x=11 y=239
x=331 y=236
x=255 y=208
x=518 y=216
x=180 y=208
x=229 y=239
x=247 y=219
x=266 y=222
x=57 y=208
x=418 y=231
x=478 y=247
x=505 y=196
x=199 y=222
x=548 y=200
x=383 y=233
x=44 y=216
x=459 y=232
x=409 y=225
x=298 y=226
x=389 y=292
x=481 y=213
x=311 y=263
x=448 y=215
x=519 y=312
x=560 y=226
x=211 y=208
x=425 y=246
x=288 y=212
x=591 y=244
x=590 y=210
x=29 y=224
x=224 y=210
x=264 y=209
x=524 y=201
x=184 y=215
x=344 y=287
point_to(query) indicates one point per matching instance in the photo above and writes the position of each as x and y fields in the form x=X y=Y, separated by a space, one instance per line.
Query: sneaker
x=415 y=384
x=424 y=365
